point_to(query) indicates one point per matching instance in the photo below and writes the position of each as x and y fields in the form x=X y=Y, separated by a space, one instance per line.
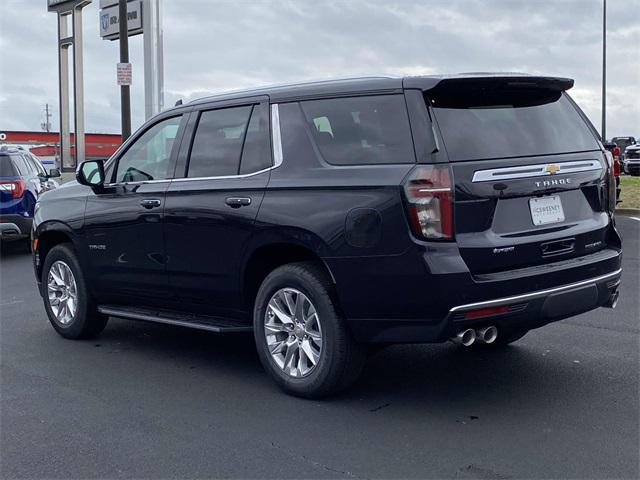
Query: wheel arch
x=269 y=256
x=49 y=235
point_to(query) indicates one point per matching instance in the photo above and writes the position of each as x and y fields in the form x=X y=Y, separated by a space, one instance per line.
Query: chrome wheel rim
x=62 y=292
x=293 y=332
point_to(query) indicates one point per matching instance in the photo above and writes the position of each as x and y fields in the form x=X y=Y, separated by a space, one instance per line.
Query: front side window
x=217 y=144
x=361 y=130
x=149 y=158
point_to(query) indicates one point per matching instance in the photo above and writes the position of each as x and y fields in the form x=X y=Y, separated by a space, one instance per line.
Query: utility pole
x=125 y=94
x=46 y=126
x=603 y=133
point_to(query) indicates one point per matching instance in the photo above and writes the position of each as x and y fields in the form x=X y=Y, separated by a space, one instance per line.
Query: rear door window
x=483 y=124
x=256 y=153
x=361 y=130
x=21 y=165
x=217 y=144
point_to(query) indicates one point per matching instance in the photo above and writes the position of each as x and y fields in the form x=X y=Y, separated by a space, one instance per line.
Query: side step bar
x=199 y=322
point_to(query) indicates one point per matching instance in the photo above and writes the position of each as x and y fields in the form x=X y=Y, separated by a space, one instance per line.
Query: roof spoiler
x=489 y=81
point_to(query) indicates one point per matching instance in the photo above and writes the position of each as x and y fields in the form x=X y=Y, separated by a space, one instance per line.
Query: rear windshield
x=6 y=167
x=481 y=124
x=361 y=130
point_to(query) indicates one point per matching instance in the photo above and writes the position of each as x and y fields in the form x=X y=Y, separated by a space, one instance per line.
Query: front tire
x=302 y=341
x=67 y=301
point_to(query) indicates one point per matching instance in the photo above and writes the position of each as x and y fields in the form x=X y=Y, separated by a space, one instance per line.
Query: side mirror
x=91 y=173
x=54 y=173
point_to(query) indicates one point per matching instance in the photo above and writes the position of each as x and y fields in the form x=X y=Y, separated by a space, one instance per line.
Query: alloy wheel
x=293 y=332
x=62 y=292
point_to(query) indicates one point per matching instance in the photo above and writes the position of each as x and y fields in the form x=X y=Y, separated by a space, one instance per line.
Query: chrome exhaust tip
x=487 y=334
x=465 y=337
x=612 y=301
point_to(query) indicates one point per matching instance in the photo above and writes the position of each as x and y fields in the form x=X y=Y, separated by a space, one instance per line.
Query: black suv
x=327 y=216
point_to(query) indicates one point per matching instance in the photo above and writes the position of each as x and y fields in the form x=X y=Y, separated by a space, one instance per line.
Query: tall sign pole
x=603 y=133
x=153 y=57
x=125 y=93
x=143 y=17
x=65 y=9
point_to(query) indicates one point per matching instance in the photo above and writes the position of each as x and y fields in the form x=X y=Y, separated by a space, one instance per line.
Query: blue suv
x=22 y=180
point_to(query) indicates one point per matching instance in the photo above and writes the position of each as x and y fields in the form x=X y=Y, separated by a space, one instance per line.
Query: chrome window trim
x=276 y=136
x=276 y=141
x=532 y=295
x=223 y=177
x=538 y=170
x=141 y=182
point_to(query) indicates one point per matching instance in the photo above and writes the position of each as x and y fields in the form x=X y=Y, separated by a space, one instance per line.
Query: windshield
x=482 y=123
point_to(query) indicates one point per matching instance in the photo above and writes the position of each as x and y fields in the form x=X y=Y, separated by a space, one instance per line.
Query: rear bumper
x=526 y=311
x=15 y=226
x=404 y=300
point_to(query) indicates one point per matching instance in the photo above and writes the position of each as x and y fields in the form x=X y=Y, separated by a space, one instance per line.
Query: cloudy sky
x=214 y=45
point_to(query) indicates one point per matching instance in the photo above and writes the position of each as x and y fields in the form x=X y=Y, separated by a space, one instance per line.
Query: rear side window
x=6 y=167
x=481 y=124
x=361 y=130
x=217 y=144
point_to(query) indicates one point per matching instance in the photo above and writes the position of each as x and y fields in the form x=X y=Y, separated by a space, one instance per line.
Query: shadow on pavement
x=13 y=248
x=436 y=373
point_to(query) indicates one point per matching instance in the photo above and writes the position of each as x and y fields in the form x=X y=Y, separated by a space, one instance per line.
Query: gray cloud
x=217 y=45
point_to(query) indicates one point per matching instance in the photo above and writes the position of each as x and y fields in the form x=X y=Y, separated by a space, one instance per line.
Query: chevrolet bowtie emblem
x=552 y=168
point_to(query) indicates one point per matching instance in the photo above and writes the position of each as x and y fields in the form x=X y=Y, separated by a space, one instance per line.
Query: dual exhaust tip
x=612 y=301
x=470 y=336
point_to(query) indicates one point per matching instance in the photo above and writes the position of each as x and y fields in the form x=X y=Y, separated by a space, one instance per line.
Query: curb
x=628 y=211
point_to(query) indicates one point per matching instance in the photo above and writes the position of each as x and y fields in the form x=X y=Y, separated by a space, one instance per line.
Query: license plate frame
x=546 y=210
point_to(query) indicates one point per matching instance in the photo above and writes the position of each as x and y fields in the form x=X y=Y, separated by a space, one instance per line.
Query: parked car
x=617 y=165
x=22 y=180
x=327 y=216
x=622 y=143
x=631 y=163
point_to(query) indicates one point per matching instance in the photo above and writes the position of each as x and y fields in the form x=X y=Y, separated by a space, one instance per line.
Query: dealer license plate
x=545 y=210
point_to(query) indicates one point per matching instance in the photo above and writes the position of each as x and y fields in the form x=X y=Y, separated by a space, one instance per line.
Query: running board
x=167 y=317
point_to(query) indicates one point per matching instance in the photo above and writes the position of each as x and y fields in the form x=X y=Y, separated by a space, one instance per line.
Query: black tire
x=86 y=321
x=341 y=359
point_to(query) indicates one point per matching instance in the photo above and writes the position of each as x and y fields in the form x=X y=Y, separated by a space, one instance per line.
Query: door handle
x=237 y=202
x=150 y=203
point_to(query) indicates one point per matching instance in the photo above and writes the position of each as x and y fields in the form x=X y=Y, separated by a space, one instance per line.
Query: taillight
x=616 y=167
x=615 y=151
x=15 y=187
x=611 y=182
x=430 y=202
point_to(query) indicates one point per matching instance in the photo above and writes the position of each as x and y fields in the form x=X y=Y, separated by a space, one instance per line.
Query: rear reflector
x=430 y=202
x=484 y=312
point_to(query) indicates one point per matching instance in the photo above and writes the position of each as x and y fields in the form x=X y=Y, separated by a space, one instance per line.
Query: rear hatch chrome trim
x=539 y=170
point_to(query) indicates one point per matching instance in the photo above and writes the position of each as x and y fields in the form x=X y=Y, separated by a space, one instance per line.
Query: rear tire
x=295 y=334
x=69 y=306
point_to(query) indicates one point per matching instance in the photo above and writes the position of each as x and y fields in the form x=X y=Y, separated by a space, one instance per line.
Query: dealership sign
x=110 y=23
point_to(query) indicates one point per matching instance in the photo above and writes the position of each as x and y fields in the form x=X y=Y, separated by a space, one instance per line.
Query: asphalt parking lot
x=150 y=401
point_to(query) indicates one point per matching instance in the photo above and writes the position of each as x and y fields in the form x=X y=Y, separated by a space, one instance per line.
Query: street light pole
x=604 y=71
x=125 y=94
